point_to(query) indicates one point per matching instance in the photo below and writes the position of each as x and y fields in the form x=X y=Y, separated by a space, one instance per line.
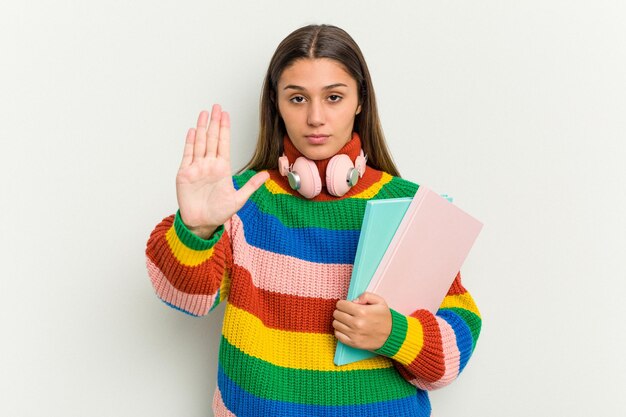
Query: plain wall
x=515 y=108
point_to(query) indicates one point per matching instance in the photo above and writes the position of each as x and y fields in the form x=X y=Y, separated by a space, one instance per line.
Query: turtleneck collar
x=352 y=149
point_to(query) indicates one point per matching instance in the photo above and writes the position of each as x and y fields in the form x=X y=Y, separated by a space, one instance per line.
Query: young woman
x=277 y=242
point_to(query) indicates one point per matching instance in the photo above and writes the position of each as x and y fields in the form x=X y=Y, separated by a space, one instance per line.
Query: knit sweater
x=281 y=263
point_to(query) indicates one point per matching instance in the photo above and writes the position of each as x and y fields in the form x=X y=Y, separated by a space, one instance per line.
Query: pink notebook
x=425 y=254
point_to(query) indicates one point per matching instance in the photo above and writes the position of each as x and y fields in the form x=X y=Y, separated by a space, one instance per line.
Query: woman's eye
x=297 y=99
x=334 y=98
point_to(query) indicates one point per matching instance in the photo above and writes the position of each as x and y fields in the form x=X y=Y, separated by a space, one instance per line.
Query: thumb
x=253 y=184
x=369 y=298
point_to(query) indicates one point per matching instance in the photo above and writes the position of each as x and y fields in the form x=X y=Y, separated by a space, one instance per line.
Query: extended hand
x=204 y=188
x=364 y=323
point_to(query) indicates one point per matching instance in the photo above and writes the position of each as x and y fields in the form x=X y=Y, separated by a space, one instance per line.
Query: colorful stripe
x=244 y=404
x=331 y=280
x=194 y=304
x=293 y=313
x=465 y=340
x=192 y=241
x=301 y=213
x=298 y=350
x=184 y=254
x=323 y=245
x=411 y=346
x=451 y=359
x=311 y=384
x=375 y=188
x=204 y=278
x=219 y=408
x=273 y=187
x=463 y=301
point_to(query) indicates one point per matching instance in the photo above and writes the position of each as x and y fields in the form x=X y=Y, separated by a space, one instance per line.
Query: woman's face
x=318 y=101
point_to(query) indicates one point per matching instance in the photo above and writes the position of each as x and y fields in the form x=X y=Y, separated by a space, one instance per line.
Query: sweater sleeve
x=431 y=350
x=189 y=273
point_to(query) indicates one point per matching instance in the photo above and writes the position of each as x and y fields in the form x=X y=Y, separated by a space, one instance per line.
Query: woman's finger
x=342 y=317
x=341 y=327
x=213 y=132
x=223 y=146
x=199 y=148
x=188 y=151
x=343 y=338
x=348 y=307
x=253 y=184
x=370 y=298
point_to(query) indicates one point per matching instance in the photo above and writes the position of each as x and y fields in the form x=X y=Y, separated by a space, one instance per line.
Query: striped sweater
x=282 y=262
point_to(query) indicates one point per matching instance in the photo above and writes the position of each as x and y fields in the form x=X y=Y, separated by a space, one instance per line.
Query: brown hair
x=319 y=41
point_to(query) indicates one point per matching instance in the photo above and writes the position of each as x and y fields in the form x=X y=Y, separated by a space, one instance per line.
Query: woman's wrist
x=203 y=232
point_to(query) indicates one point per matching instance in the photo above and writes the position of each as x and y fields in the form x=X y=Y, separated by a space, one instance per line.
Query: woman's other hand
x=364 y=323
x=204 y=187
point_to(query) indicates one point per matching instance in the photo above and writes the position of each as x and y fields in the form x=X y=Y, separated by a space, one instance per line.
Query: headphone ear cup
x=360 y=163
x=283 y=165
x=310 y=182
x=337 y=172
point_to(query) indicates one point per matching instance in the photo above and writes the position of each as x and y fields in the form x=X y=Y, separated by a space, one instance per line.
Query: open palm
x=204 y=188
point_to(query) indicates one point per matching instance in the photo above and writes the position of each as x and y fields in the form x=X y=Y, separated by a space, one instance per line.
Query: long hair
x=311 y=42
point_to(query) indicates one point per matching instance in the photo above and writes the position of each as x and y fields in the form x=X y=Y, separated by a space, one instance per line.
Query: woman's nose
x=315 y=116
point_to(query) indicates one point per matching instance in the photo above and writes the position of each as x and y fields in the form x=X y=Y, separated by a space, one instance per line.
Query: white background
x=516 y=109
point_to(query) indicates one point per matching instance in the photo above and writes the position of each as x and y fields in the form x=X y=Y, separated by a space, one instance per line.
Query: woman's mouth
x=317 y=139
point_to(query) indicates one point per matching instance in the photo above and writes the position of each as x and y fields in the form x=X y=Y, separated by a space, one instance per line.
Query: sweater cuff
x=399 y=327
x=193 y=241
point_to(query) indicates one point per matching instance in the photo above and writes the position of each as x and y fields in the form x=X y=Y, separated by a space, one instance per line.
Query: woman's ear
x=358 y=109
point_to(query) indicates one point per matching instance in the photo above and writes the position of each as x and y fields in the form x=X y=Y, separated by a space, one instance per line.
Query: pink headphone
x=341 y=174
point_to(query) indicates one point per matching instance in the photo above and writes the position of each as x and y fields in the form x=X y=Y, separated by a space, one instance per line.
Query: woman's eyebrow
x=328 y=87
